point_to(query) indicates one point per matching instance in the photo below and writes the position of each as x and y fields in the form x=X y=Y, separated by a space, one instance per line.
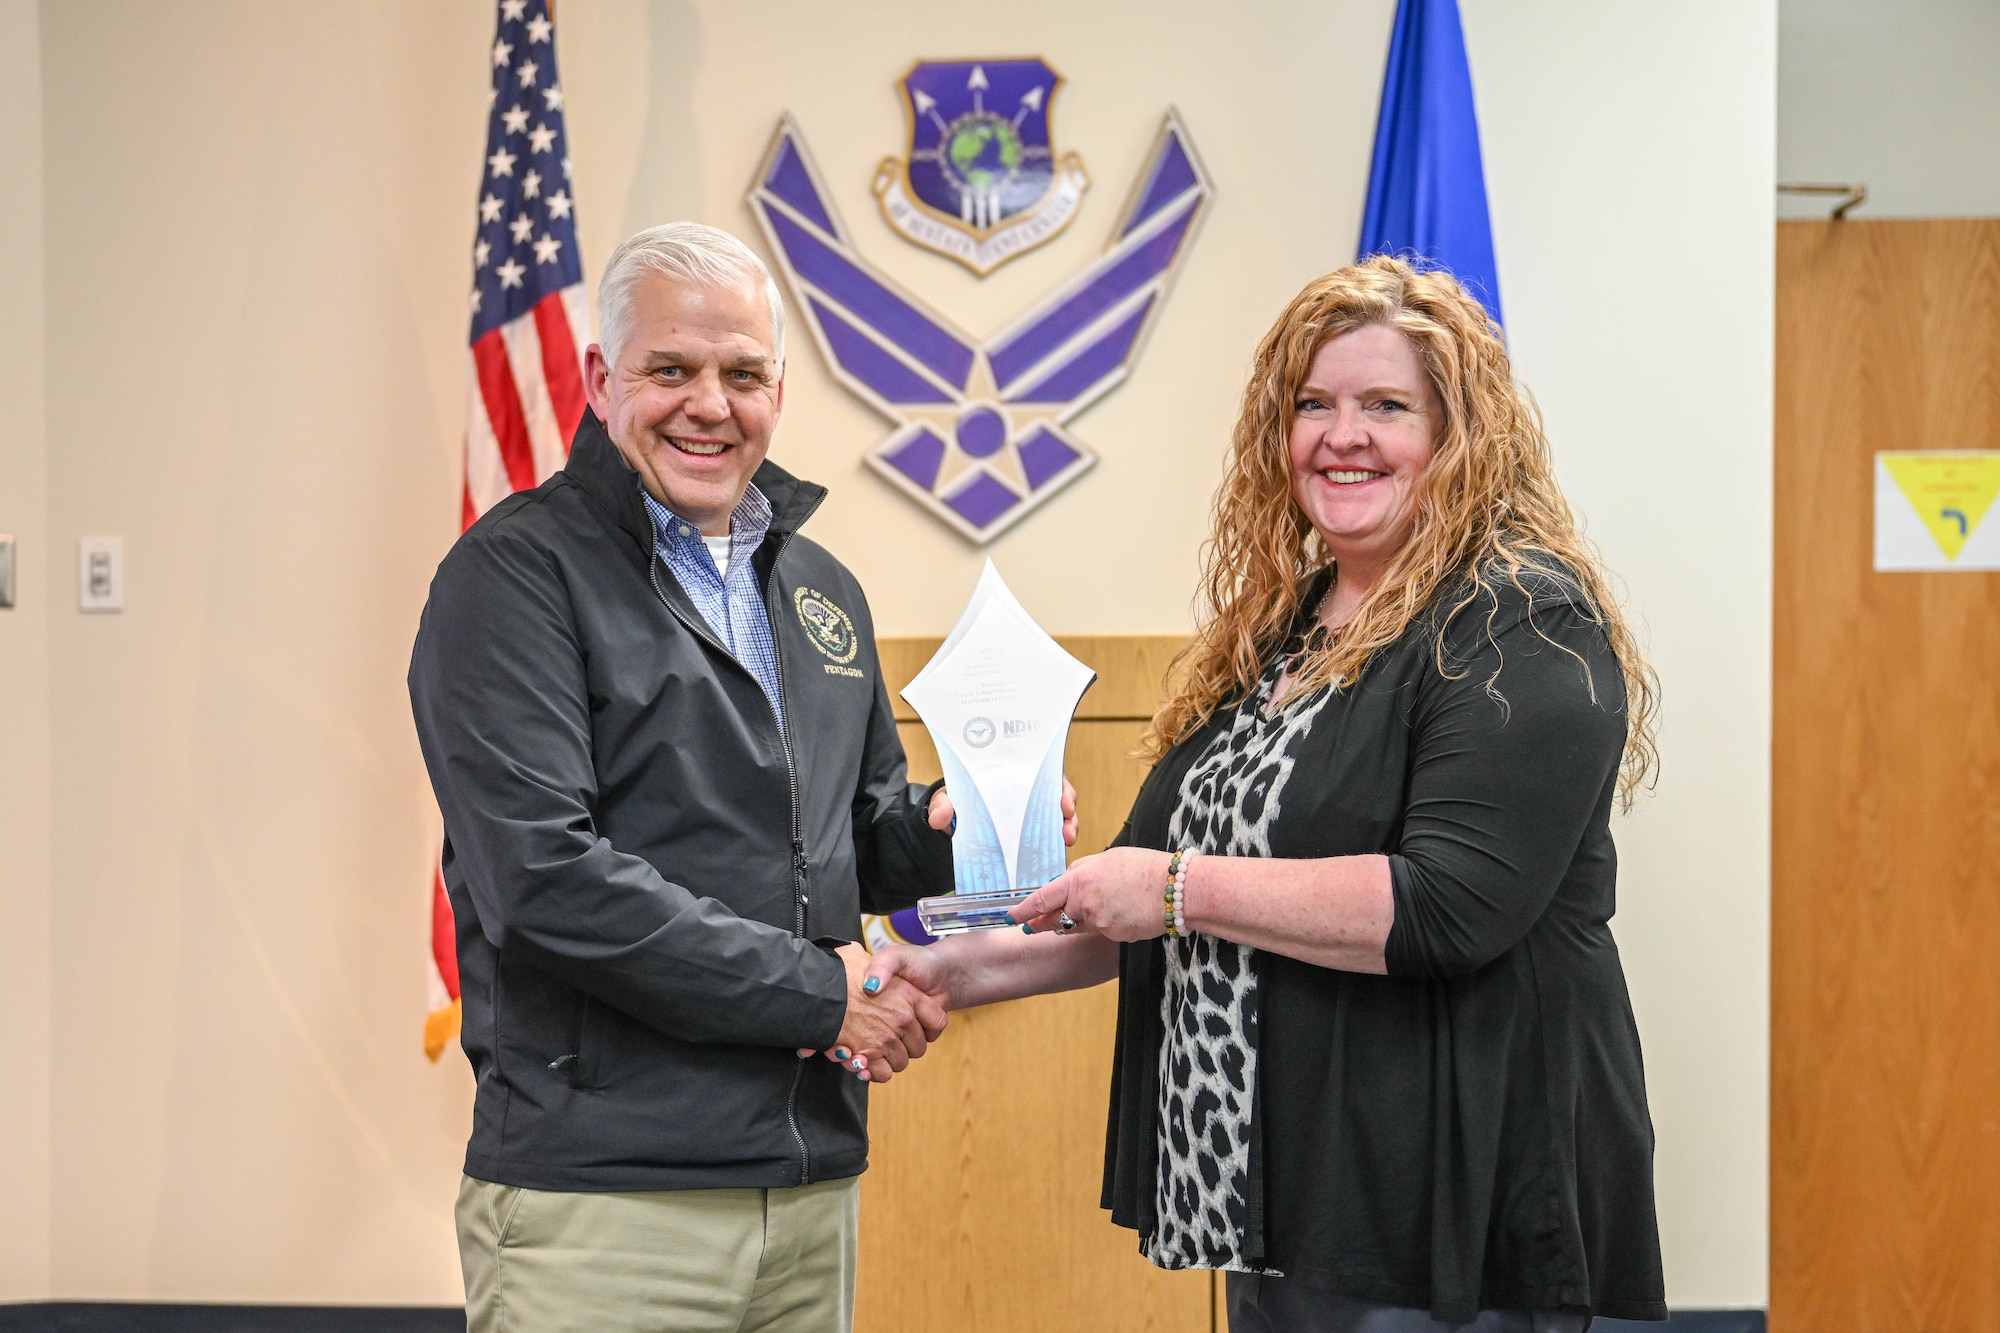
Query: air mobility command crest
x=980 y=180
x=980 y=425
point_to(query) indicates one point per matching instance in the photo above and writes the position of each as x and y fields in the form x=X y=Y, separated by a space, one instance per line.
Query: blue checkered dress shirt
x=732 y=606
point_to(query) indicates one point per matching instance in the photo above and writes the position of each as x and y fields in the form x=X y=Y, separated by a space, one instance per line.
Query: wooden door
x=1885 y=977
x=979 y=1208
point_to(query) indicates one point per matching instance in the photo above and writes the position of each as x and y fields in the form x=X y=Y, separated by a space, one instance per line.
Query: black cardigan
x=1469 y=1132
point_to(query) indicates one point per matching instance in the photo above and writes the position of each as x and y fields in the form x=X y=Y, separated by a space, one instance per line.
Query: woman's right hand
x=983 y=967
x=925 y=968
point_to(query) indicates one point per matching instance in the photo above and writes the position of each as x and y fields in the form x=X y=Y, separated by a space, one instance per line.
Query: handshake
x=896 y=1007
x=897 y=1001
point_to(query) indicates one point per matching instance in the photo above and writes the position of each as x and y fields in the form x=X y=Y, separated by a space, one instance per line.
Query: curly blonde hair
x=1488 y=508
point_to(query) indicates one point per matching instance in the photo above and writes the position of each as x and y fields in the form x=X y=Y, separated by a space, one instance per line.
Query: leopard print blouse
x=1208 y=1056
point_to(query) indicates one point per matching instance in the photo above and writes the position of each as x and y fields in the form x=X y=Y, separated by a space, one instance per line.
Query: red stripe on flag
x=559 y=367
x=503 y=409
x=444 y=935
x=467 y=515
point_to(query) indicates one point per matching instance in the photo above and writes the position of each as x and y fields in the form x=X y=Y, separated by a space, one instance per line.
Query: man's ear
x=778 y=409
x=597 y=382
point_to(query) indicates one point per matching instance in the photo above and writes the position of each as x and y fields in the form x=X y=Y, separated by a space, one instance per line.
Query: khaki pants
x=676 y=1261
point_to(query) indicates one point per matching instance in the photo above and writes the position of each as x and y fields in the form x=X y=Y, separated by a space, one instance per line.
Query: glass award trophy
x=997 y=701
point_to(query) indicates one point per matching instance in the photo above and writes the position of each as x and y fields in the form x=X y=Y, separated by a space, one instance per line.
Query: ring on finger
x=1065 y=923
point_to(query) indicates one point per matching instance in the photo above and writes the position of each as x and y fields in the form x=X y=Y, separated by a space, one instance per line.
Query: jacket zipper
x=798 y=853
x=798 y=828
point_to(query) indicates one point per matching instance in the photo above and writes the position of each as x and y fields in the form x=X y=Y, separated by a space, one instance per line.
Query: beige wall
x=1629 y=152
x=24 y=677
x=258 y=219
x=1900 y=97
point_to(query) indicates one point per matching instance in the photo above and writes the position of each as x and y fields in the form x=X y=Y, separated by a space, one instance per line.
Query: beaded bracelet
x=1179 y=897
x=1171 y=923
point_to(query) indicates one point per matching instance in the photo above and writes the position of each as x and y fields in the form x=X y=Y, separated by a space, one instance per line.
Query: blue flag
x=1426 y=187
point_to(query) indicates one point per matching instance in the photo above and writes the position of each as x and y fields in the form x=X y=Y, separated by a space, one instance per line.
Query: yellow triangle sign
x=1951 y=492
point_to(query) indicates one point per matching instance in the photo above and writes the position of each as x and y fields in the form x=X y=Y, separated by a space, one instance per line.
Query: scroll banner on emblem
x=981 y=254
x=980 y=434
x=981 y=182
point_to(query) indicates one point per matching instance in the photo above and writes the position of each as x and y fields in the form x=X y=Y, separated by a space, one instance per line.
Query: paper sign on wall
x=1929 y=509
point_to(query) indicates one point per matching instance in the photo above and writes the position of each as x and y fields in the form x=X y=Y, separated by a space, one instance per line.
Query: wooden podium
x=979 y=1211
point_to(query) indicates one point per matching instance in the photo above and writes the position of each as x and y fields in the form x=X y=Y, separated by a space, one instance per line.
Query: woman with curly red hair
x=1375 y=1058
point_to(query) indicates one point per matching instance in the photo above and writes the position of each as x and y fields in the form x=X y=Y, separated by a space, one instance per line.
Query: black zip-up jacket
x=647 y=874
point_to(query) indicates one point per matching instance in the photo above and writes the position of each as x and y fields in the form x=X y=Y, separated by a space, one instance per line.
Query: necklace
x=1298 y=647
x=1303 y=643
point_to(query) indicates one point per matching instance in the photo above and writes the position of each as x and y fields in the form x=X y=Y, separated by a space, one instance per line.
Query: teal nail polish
x=872 y=985
x=1027 y=929
x=862 y=1076
x=840 y=1053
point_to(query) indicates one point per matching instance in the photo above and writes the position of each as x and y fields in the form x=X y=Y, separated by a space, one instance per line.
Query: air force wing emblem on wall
x=981 y=182
x=980 y=435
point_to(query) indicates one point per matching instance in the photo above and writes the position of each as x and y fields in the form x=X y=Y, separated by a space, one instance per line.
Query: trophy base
x=958 y=912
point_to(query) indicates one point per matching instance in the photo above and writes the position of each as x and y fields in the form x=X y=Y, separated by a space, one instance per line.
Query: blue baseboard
x=121 y=1317
x=74 y=1317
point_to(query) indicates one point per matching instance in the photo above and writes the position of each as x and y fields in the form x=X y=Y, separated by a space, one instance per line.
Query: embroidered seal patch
x=826 y=625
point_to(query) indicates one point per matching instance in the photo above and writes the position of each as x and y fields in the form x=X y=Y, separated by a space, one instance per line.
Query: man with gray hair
x=671 y=781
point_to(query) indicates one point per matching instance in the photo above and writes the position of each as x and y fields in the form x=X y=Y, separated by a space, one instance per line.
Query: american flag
x=530 y=324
